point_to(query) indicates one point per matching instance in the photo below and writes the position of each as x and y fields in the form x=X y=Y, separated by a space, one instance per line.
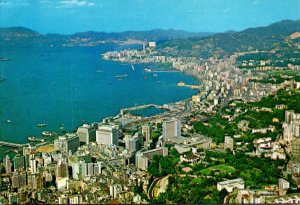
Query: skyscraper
x=86 y=133
x=67 y=143
x=295 y=148
x=146 y=132
x=19 y=162
x=32 y=164
x=62 y=170
x=15 y=180
x=171 y=128
x=107 y=135
x=7 y=164
x=132 y=143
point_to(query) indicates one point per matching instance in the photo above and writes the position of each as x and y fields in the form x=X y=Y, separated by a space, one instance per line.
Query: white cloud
x=16 y=3
x=67 y=3
x=5 y=4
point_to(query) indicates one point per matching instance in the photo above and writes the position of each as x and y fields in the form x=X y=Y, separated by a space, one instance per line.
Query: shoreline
x=117 y=115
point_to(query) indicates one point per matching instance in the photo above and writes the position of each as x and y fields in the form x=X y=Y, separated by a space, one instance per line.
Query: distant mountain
x=17 y=32
x=151 y=35
x=261 y=38
x=283 y=28
x=201 y=44
x=20 y=36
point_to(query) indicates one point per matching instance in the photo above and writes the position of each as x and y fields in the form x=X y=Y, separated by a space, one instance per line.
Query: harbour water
x=64 y=87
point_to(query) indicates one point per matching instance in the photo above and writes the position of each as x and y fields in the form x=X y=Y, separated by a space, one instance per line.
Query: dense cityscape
x=236 y=141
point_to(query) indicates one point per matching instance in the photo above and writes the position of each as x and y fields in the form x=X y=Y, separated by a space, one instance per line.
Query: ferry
x=148 y=70
x=41 y=125
x=47 y=133
x=121 y=76
x=31 y=139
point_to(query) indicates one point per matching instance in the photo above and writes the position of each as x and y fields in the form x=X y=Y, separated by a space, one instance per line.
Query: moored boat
x=46 y=133
x=41 y=125
x=31 y=139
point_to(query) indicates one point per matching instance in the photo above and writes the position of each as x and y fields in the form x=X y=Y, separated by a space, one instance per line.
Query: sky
x=71 y=16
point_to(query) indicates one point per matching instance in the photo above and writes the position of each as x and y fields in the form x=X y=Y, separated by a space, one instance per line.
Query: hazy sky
x=69 y=16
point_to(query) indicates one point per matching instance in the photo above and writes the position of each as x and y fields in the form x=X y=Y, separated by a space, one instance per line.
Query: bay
x=71 y=85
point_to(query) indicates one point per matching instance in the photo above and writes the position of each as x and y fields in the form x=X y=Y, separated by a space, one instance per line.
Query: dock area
x=11 y=144
x=182 y=84
x=140 y=107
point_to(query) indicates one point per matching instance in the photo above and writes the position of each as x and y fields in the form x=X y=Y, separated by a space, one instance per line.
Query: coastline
x=100 y=119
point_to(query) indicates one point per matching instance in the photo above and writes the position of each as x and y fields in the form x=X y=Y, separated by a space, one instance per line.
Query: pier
x=162 y=71
x=141 y=107
x=165 y=71
x=11 y=144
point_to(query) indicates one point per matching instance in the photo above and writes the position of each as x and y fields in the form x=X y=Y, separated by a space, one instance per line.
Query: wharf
x=140 y=107
x=11 y=144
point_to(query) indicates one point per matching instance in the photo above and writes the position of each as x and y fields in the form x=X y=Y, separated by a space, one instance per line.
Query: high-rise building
x=76 y=172
x=61 y=170
x=63 y=199
x=22 y=179
x=152 y=44
x=146 y=132
x=171 y=128
x=86 y=133
x=66 y=144
x=37 y=181
x=283 y=184
x=295 y=148
x=7 y=164
x=90 y=169
x=114 y=190
x=75 y=199
x=19 y=162
x=107 y=135
x=33 y=165
x=289 y=115
x=228 y=143
x=296 y=128
x=15 y=180
x=141 y=161
x=83 y=169
x=98 y=168
x=142 y=158
x=132 y=144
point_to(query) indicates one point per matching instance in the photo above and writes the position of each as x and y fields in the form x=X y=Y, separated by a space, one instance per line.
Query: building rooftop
x=238 y=180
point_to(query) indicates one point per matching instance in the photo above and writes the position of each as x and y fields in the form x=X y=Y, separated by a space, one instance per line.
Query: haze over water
x=61 y=86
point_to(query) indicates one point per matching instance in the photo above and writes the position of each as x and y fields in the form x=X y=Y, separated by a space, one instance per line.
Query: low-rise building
x=229 y=185
x=283 y=184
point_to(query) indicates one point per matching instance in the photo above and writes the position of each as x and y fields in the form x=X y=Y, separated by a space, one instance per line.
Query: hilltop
x=21 y=36
x=260 y=38
x=279 y=34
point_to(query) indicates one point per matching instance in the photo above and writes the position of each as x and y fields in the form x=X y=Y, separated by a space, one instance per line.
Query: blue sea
x=71 y=85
